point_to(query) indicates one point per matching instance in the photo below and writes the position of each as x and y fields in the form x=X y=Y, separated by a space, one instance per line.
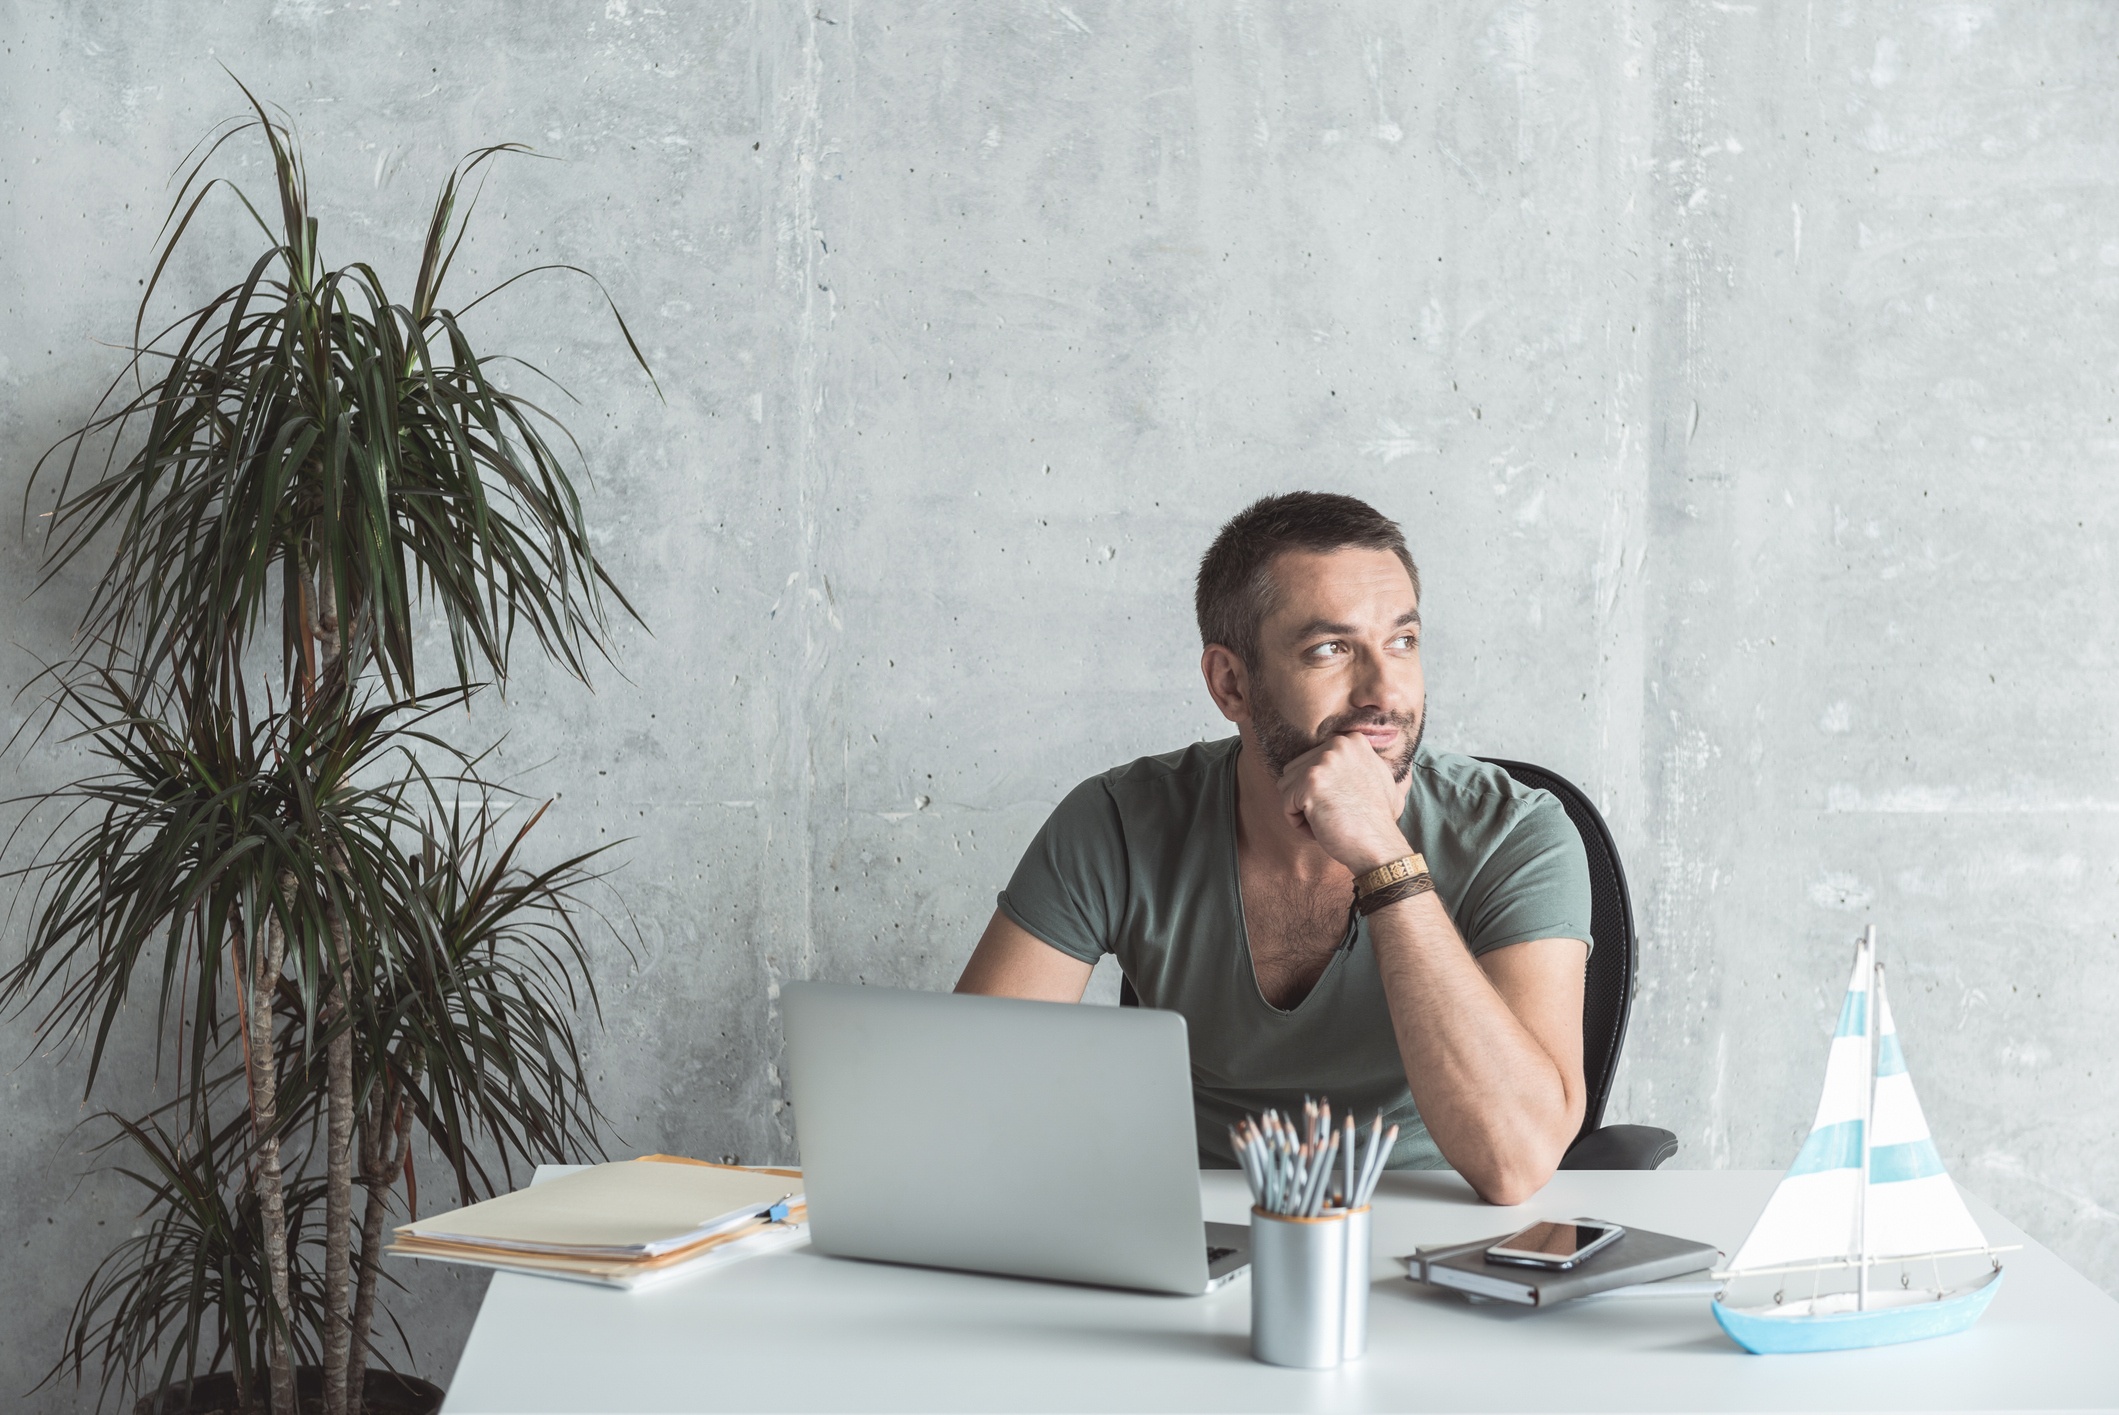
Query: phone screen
x=1552 y=1242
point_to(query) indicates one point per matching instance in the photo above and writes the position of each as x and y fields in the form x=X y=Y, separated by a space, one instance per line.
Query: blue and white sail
x=1913 y=1209
x=1815 y=1214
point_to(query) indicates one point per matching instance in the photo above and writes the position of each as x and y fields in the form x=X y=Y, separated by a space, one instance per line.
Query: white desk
x=798 y=1331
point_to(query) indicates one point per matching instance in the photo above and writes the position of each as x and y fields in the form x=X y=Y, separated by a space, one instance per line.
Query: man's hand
x=1341 y=795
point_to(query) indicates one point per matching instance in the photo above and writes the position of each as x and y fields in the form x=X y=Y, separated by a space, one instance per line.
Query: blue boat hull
x=1769 y=1335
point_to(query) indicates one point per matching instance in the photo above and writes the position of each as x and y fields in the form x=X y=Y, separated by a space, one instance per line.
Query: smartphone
x=1559 y=1244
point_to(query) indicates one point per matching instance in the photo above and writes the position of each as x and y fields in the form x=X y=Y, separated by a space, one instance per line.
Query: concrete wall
x=1742 y=373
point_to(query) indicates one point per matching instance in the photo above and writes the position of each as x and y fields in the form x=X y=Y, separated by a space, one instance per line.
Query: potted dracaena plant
x=345 y=948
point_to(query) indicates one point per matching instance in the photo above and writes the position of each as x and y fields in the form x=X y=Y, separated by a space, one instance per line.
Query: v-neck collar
x=1243 y=922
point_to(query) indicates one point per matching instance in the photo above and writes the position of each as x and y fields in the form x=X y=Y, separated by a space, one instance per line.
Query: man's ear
x=1228 y=682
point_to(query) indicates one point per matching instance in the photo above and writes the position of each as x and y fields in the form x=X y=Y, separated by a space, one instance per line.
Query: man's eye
x=1407 y=641
x=1327 y=650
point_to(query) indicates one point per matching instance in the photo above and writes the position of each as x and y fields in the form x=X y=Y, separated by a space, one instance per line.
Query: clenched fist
x=1340 y=794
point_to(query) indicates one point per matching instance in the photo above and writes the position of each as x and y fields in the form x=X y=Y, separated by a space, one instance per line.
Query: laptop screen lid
x=1035 y=1139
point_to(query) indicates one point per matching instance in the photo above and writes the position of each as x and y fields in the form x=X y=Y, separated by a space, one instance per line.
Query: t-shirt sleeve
x=1535 y=884
x=1069 y=889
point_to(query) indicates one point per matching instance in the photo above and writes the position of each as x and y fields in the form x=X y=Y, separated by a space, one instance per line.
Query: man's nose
x=1380 y=685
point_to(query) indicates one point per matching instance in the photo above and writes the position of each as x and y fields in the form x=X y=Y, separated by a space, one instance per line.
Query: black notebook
x=1636 y=1257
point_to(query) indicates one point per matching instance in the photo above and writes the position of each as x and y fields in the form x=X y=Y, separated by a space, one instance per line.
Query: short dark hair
x=1236 y=590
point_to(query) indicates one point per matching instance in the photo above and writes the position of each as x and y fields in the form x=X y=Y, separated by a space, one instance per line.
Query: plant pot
x=385 y=1393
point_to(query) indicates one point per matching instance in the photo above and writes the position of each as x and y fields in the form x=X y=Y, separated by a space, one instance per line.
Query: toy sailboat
x=1866 y=1198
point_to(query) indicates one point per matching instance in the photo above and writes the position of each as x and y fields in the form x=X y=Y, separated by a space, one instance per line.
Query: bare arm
x=1010 y=961
x=1492 y=1046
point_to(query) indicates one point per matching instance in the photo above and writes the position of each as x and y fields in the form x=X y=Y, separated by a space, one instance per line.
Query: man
x=1337 y=909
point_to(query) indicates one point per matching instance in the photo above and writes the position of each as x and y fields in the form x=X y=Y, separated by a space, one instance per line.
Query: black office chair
x=1607 y=993
x=1607 y=989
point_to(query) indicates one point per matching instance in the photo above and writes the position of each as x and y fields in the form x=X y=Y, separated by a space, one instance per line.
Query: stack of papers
x=630 y=1224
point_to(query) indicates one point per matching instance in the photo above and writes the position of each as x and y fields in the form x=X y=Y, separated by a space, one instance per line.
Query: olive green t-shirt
x=1141 y=862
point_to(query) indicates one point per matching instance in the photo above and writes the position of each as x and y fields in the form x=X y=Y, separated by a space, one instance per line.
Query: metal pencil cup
x=1356 y=1342
x=1299 y=1289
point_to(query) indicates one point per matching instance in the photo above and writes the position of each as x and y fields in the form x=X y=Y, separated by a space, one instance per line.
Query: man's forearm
x=1500 y=1107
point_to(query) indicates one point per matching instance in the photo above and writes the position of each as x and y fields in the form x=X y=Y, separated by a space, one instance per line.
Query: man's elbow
x=1508 y=1185
x=1517 y=1171
x=1513 y=1175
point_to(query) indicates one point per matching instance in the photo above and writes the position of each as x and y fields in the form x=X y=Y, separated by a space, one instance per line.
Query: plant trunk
x=263 y=1067
x=384 y=1141
x=338 y=1187
x=330 y=643
x=338 y=1066
x=371 y=1160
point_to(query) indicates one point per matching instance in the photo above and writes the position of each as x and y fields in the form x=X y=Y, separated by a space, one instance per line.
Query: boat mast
x=1868 y=1112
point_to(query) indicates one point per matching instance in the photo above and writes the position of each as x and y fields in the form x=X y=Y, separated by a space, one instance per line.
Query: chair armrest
x=1621 y=1147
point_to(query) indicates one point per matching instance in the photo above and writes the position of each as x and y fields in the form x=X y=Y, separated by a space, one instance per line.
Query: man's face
x=1340 y=653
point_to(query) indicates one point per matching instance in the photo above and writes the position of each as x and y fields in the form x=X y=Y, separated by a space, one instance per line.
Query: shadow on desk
x=1162 y=1342
x=1423 y=1295
x=1625 y=1318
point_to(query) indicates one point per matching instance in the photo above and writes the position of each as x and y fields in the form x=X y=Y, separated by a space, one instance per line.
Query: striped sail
x=1815 y=1214
x=1913 y=1208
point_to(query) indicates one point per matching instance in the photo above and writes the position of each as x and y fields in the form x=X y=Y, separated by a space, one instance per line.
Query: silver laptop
x=1035 y=1139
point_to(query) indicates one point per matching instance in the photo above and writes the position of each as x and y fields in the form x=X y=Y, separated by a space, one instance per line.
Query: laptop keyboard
x=1215 y=1255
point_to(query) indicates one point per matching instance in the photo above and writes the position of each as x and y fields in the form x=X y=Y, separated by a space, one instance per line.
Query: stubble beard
x=1281 y=741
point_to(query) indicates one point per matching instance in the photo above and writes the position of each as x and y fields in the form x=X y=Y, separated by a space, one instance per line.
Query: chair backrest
x=1607 y=990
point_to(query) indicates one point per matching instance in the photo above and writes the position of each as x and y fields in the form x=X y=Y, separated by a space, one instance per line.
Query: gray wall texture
x=1743 y=374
